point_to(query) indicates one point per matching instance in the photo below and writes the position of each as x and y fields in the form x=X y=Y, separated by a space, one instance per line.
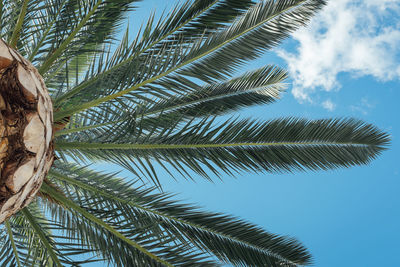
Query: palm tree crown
x=148 y=102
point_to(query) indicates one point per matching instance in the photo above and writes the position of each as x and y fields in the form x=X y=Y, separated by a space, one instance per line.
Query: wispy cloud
x=363 y=107
x=355 y=36
x=328 y=105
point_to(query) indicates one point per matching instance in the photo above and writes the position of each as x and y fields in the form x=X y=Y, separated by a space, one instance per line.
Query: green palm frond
x=19 y=23
x=276 y=146
x=182 y=25
x=228 y=238
x=116 y=234
x=262 y=86
x=211 y=57
x=262 y=27
x=10 y=15
x=81 y=27
x=8 y=251
x=193 y=19
x=59 y=36
x=40 y=241
x=41 y=235
x=33 y=242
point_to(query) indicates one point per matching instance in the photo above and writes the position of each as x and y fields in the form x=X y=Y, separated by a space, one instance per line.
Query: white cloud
x=361 y=37
x=328 y=105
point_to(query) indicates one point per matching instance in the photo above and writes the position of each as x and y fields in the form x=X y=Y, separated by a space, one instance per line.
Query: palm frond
x=61 y=36
x=41 y=235
x=262 y=27
x=213 y=57
x=262 y=86
x=8 y=254
x=281 y=145
x=117 y=236
x=194 y=19
x=184 y=23
x=18 y=25
x=9 y=16
x=34 y=242
x=24 y=21
x=228 y=238
x=81 y=27
x=12 y=241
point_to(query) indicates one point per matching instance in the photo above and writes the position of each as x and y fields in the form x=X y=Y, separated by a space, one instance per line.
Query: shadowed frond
x=115 y=234
x=228 y=238
x=34 y=242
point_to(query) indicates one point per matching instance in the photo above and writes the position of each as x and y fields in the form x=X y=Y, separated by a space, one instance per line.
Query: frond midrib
x=11 y=236
x=15 y=35
x=84 y=145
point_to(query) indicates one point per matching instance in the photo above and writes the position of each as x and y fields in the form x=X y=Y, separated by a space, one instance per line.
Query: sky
x=345 y=64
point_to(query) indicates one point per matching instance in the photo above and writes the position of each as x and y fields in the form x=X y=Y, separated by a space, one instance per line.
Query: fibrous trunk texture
x=26 y=118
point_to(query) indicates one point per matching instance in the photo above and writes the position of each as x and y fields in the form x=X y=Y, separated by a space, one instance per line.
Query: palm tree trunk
x=26 y=117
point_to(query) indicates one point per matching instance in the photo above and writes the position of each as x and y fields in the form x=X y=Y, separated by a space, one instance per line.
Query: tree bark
x=26 y=134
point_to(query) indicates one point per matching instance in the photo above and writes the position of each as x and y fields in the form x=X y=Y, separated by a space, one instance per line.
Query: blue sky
x=345 y=64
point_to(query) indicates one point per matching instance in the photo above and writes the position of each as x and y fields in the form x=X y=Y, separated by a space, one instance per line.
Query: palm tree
x=71 y=94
